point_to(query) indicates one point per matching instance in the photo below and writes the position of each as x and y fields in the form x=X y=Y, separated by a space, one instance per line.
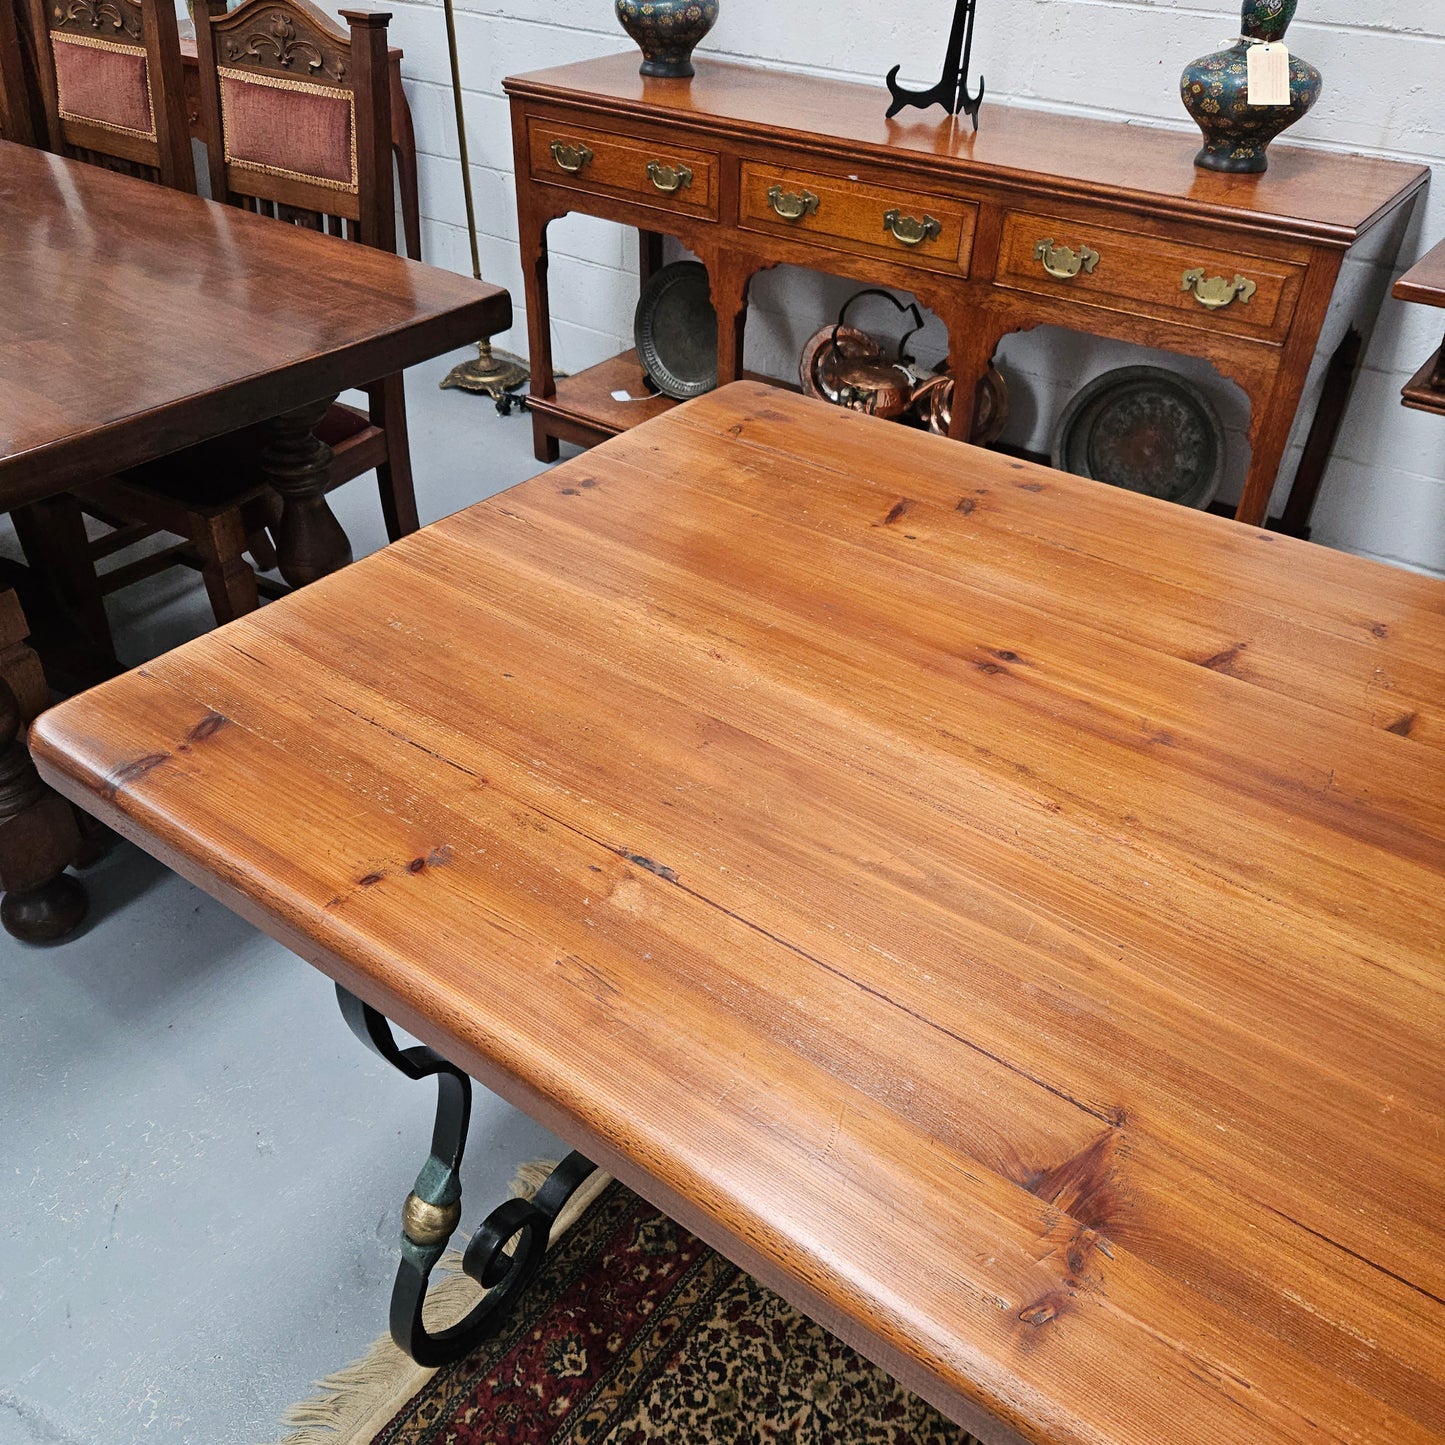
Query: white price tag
x=1269 y=74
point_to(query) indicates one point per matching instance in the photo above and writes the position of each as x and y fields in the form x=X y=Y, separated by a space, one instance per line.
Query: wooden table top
x=1006 y=914
x=1425 y=280
x=151 y=320
x=1317 y=194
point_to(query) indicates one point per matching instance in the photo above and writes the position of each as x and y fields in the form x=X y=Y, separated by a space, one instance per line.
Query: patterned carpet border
x=633 y=1331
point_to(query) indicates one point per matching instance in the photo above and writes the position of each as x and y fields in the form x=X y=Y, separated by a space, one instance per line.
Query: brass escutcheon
x=668 y=179
x=909 y=231
x=1214 y=293
x=1062 y=263
x=791 y=206
x=570 y=158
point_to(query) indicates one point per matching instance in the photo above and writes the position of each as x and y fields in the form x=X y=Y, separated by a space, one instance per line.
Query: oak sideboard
x=1099 y=226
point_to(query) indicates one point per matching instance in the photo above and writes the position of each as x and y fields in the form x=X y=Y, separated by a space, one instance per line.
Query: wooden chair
x=303 y=110
x=18 y=121
x=111 y=86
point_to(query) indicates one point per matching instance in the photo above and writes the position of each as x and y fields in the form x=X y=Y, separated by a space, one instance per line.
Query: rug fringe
x=353 y=1404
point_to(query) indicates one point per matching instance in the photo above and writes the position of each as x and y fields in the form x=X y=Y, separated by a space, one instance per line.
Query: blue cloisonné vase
x=1215 y=89
x=667 y=31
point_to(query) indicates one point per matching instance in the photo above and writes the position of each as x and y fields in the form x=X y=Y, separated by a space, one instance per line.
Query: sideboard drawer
x=932 y=231
x=675 y=177
x=1130 y=271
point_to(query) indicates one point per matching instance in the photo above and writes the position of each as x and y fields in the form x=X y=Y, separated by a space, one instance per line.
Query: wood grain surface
x=153 y=320
x=1004 y=913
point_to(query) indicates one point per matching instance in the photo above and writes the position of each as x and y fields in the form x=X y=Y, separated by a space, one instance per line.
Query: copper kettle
x=845 y=366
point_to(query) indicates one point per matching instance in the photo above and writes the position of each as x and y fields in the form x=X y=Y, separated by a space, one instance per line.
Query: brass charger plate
x=675 y=328
x=1146 y=430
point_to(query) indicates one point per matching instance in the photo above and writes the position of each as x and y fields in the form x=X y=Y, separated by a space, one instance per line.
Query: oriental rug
x=633 y=1331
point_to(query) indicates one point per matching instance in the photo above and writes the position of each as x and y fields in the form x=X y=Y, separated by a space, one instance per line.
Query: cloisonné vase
x=1215 y=89
x=666 y=31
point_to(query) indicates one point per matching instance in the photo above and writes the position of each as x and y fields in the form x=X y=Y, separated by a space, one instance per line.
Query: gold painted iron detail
x=790 y=205
x=1063 y=263
x=668 y=179
x=429 y=1224
x=909 y=231
x=570 y=158
x=1214 y=293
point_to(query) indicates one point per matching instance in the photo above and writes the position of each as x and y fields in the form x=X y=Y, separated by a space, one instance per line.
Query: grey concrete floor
x=201 y=1171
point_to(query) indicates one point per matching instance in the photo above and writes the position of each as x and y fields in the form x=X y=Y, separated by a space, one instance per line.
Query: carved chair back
x=111 y=85
x=303 y=113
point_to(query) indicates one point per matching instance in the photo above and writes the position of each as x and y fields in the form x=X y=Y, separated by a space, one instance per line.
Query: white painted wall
x=1383 y=64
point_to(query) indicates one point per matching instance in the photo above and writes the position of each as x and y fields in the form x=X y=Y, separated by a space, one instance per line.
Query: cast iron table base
x=434 y=1208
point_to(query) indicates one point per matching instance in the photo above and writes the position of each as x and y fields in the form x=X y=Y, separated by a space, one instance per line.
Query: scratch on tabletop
x=127 y=773
x=652 y=866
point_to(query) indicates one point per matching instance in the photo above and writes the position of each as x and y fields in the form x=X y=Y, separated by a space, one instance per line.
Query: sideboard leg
x=970 y=351
x=649 y=255
x=1275 y=391
x=532 y=240
x=433 y=1209
x=1271 y=418
x=1339 y=383
x=728 y=278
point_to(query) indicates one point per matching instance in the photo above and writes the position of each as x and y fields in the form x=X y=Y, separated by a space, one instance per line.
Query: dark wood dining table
x=137 y=321
x=1005 y=914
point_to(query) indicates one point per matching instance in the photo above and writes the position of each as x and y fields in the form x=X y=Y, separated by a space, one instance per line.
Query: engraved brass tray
x=675 y=328
x=1147 y=430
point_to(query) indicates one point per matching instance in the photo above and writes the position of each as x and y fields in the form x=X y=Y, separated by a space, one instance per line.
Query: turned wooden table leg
x=39 y=837
x=311 y=542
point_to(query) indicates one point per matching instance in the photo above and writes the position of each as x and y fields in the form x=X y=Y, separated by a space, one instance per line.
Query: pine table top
x=1005 y=914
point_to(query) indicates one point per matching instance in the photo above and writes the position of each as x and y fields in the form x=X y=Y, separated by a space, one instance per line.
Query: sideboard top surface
x=1327 y=195
x=1425 y=280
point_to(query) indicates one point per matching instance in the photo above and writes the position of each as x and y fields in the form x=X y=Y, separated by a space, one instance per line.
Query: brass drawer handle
x=668 y=179
x=791 y=206
x=909 y=231
x=1214 y=293
x=570 y=158
x=1062 y=263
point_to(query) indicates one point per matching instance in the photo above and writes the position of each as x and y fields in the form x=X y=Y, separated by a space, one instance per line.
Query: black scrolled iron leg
x=434 y=1207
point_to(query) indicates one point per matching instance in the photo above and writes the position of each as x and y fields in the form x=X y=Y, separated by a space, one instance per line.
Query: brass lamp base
x=496 y=373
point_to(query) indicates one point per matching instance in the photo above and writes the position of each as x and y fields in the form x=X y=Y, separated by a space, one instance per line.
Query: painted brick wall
x=1384 y=494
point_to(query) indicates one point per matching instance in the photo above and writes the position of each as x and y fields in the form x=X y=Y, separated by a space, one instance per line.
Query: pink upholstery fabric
x=106 y=84
x=304 y=133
